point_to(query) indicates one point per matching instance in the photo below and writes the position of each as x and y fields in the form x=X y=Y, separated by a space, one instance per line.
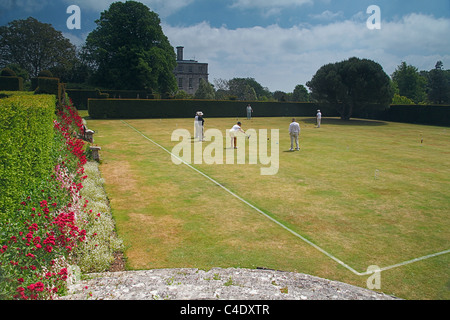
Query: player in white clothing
x=294 y=132
x=233 y=131
x=319 y=118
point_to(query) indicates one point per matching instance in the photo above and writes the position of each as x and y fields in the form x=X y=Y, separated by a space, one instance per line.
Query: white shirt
x=319 y=115
x=235 y=128
x=294 y=127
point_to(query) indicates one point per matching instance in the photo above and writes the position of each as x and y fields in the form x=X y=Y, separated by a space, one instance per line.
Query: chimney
x=180 y=53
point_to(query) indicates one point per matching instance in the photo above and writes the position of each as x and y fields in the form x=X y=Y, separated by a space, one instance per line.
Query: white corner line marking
x=282 y=225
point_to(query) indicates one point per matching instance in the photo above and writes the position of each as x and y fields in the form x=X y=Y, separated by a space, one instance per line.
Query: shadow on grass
x=351 y=122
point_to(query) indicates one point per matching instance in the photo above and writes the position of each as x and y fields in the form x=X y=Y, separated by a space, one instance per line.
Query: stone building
x=189 y=73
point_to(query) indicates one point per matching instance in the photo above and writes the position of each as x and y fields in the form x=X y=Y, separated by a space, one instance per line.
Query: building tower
x=189 y=73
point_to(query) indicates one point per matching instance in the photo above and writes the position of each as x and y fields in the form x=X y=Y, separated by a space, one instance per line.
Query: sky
x=279 y=43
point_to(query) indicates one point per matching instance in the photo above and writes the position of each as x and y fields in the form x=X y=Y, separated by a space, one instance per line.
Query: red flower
x=38 y=286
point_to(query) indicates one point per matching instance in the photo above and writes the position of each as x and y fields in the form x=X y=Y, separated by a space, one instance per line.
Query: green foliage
x=281 y=96
x=439 y=85
x=351 y=86
x=122 y=108
x=80 y=97
x=45 y=85
x=7 y=72
x=11 y=83
x=45 y=74
x=183 y=95
x=34 y=46
x=56 y=228
x=38 y=238
x=26 y=140
x=420 y=114
x=300 y=94
x=409 y=82
x=398 y=99
x=241 y=88
x=20 y=72
x=205 y=91
x=130 y=50
x=7 y=94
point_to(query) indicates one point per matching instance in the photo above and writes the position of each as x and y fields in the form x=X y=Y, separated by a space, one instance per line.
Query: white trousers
x=294 y=137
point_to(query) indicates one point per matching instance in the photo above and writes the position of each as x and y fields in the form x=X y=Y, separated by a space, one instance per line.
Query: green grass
x=367 y=192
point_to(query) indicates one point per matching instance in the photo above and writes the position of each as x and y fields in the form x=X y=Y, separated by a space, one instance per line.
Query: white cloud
x=327 y=15
x=164 y=8
x=76 y=40
x=280 y=58
x=268 y=7
x=249 y=4
x=27 y=6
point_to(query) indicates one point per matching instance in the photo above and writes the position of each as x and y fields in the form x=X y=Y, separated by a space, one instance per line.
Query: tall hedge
x=135 y=109
x=11 y=83
x=142 y=109
x=80 y=97
x=26 y=140
x=420 y=114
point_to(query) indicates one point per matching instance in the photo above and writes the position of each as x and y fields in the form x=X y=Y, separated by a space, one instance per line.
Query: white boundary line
x=282 y=225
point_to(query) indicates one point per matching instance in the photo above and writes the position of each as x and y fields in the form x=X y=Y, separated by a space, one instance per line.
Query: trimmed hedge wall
x=141 y=109
x=420 y=114
x=45 y=85
x=11 y=84
x=26 y=140
x=80 y=97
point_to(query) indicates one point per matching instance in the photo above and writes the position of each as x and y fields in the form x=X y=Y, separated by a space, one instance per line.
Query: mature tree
x=439 y=84
x=205 y=91
x=351 y=85
x=239 y=87
x=34 y=46
x=130 y=51
x=222 y=89
x=281 y=96
x=300 y=94
x=409 y=82
x=80 y=72
x=249 y=93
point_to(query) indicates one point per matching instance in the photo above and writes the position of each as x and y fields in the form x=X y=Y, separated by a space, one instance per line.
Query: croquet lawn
x=367 y=193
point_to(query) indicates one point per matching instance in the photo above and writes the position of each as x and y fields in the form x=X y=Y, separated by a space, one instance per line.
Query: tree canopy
x=351 y=85
x=241 y=89
x=300 y=94
x=409 y=82
x=438 y=84
x=205 y=91
x=130 y=51
x=35 y=46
